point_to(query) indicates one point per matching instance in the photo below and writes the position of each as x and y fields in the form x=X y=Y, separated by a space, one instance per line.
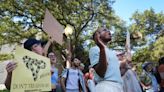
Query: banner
x=32 y=73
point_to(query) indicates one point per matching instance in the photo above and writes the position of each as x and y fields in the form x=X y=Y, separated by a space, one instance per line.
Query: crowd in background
x=108 y=71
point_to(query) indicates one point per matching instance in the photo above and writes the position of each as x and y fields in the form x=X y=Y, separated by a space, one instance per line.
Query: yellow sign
x=32 y=73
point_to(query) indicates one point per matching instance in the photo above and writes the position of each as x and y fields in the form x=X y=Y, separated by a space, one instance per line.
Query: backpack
x=79 y=84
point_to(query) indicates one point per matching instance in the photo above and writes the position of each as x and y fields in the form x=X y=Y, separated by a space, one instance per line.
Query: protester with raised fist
x=30 y=44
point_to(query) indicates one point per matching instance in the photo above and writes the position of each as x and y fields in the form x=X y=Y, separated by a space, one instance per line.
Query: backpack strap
x=79 y=84
x=66 y=77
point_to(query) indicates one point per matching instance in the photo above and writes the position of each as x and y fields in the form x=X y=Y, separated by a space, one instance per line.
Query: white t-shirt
x=113 y=69
x=72 y=80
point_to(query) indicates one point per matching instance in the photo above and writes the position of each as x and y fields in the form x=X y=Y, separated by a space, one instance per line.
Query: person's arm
x=63 y=84
x=101 y=66
x=47 y=47
x=10 y=67
x=127 y=48
x=144 y=86
x=8 y=81
x=63 y=79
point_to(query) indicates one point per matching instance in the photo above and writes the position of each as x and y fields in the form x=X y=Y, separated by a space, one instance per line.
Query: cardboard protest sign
x=53 y=28
x=32 y=73
x=127 y=47
x=128 y=40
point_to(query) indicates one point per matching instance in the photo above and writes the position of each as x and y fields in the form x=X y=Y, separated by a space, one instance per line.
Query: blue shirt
x=154 y=82
x=113 y=70
x=54 y=77
x=72 y=79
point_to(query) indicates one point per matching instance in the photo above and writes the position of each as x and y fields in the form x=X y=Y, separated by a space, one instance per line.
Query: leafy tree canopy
x=23 y=18
x=151 y=25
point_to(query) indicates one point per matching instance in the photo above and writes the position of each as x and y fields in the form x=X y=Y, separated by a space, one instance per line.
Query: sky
x=125 y=8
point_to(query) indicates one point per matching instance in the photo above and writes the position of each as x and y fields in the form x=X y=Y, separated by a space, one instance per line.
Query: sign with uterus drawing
x=32 y=73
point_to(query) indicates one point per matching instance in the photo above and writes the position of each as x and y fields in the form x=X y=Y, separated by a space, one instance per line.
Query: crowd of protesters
x=108 y=71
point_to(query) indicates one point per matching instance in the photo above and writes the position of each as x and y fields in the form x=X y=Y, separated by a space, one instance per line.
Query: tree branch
x=87 y=21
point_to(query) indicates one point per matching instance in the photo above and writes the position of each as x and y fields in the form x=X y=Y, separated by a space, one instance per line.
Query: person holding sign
x=32 y=45
x=105 y=63
x=129 y=77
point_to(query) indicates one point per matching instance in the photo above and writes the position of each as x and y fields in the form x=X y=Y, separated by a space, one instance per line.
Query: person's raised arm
x=127 y=48
x=48 y=44
x=101 y=66
x=63 y=84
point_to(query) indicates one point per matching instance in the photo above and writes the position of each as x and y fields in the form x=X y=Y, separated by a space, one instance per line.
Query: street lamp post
x=68 y=32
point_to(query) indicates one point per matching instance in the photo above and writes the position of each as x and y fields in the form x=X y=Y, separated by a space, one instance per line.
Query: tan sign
x=53 y=28
x=127 y=47
x=32 y=73
x=128 y=40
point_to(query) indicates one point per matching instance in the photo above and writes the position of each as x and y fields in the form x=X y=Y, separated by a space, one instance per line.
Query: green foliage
x=151 y=25
x=148 y=23
x=23 y=18
x=157 y=50
x=151 y=53
x=5 y=57
x=142 y=55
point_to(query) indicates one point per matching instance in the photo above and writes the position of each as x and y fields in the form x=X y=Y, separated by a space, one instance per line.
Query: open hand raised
x=98 y=40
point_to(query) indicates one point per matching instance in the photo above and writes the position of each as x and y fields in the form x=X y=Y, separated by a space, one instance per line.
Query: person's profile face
x=76 y=62
x=37 y=48
x=105 y=35
x=120 y=57
x=91 y=70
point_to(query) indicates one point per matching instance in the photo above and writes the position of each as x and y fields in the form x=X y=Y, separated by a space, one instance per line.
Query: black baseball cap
x=30 y=42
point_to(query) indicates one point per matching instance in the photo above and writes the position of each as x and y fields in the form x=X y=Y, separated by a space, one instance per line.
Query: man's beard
x=106 y=40
x=76 y=65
